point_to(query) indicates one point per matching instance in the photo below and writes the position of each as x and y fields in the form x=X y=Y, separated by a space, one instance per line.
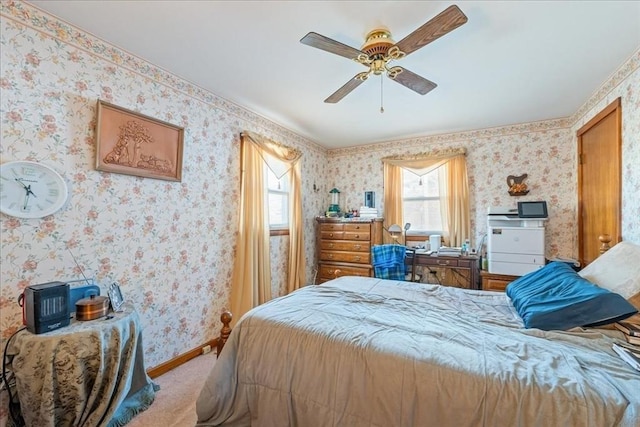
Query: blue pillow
x=556 y=297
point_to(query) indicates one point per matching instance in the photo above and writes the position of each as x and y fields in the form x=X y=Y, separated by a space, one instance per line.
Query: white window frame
x=414 y=231
x=284 y=190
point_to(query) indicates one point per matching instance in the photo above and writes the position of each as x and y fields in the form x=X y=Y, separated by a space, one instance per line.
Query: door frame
x=616 y=108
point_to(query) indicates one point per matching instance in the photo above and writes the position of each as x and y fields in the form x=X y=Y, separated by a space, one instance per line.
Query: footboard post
x=225 y=318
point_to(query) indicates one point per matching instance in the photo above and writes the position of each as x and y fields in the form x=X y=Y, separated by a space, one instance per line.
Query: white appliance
x=515 y=246
x=434 y=242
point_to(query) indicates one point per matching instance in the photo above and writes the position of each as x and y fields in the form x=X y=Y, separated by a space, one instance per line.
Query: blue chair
x=388 y=261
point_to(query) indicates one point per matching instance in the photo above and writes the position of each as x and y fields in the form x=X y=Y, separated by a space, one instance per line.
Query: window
x=278 y=199
x=421 y=201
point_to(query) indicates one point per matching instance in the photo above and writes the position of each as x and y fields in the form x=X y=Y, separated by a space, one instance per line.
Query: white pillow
x=617 y=270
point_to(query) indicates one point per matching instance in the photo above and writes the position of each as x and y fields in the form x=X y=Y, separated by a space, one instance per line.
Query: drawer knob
x=357 y=236
x=357 y=246
x=330 y=256
x=336 y=272
x=330 y=234
x=331 y=245
x=358 y=258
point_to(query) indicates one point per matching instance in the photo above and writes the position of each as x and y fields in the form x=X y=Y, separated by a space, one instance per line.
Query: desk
x=88 y=374
x=462 y=271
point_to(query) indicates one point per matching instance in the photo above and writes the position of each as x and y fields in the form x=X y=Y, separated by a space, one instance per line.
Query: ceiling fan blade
x=413 y=81
x=344 y=90
x=448 y=20
x=325 y=43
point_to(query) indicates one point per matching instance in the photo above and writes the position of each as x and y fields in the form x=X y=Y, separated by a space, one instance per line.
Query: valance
x=423 y=163
x=279 y=158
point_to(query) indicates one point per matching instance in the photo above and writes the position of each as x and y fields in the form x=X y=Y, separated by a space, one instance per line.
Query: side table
x=89 y=373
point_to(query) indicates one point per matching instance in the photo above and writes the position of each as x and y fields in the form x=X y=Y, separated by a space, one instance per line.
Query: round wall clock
x=30 y=189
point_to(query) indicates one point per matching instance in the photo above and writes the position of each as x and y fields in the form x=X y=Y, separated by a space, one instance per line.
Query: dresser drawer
x=495 y=282
x=332 y=235
x=494 y=285
x=332 y=227
x=345 y=245
x=329 y=271
x=357 y=257
x=357 y=235
x=445 y=262
x=356 y=227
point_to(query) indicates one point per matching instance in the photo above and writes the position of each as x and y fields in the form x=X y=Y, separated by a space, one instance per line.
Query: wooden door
x=599 y=181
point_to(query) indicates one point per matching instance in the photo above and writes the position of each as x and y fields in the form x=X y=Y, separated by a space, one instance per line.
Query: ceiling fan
x=379 y=50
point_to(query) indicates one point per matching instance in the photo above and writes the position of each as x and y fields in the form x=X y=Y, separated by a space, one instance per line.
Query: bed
x=372 y=352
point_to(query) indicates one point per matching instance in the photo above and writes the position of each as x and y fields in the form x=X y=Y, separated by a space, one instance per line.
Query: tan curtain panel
x=455 y=200
x=454 y=186
x=251 y=281
x=297 y=264
x=393 y=213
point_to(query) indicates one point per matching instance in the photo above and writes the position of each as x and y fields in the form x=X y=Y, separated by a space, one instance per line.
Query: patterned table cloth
x=90 y=373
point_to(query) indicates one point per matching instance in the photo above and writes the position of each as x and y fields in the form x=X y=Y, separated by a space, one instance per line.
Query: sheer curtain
x=454 y=189
x=251 y=281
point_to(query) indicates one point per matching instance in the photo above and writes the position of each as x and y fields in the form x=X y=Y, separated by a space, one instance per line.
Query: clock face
x=30 y=189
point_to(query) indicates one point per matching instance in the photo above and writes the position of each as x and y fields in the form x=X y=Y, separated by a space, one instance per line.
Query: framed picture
x=115 y=296
x=131 y=143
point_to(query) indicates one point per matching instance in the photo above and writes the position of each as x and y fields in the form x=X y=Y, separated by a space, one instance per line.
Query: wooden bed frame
x=225 y=318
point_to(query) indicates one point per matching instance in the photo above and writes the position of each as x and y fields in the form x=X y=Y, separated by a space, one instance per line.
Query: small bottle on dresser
x=466 y=247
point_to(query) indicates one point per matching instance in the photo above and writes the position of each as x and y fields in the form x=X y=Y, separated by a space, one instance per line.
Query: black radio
x=45 y=307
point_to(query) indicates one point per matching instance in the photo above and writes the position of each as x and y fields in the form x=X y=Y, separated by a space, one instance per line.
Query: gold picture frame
x=134 y=144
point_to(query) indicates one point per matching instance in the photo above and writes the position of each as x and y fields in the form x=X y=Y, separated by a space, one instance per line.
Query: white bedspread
x=370 y=352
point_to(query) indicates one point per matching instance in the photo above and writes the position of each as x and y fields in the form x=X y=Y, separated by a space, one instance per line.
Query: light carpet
x=175 y=402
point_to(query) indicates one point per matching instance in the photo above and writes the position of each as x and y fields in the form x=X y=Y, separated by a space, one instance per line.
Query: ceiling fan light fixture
x=378 y=66
x=393 y=72
x=379 y=49
x=363 y=75
x=377 y=42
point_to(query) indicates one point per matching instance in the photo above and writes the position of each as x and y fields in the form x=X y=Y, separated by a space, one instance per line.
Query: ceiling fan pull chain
x=381 y=96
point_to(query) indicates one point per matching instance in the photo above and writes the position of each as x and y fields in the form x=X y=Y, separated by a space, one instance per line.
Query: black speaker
x=370 y=199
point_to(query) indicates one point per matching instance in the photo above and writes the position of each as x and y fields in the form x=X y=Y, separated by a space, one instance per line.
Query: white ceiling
x=512 y=62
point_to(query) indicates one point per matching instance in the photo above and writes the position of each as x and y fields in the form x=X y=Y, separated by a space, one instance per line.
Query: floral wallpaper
x=545 y=150
x=542 y=150
x=170 y=245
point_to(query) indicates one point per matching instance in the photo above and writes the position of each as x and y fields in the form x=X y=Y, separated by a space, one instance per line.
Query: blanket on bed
x=371 y=352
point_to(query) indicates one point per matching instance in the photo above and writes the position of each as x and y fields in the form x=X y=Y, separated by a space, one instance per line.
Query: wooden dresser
x=344 y=246
x=495 y=282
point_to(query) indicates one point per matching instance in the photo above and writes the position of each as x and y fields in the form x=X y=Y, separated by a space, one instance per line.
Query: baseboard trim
x=165 y=367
